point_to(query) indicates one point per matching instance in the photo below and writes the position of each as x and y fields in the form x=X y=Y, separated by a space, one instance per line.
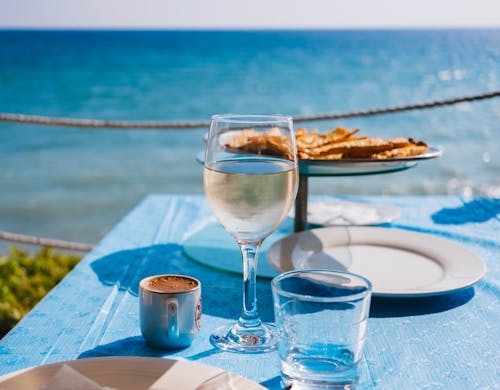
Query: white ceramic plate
x=343 y=213
x=432 y=152
x=132 y=373
x=347 y=167
x=331 y=168
x=399 y=263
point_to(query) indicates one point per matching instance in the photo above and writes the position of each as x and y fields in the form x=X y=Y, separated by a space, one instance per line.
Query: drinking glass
x=250 y=182
x=321 y=317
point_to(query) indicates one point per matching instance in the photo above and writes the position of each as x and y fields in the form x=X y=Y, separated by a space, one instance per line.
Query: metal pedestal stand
x=308 y=168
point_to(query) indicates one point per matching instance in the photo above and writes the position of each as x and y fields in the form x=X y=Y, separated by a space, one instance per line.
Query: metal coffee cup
x=170 y=310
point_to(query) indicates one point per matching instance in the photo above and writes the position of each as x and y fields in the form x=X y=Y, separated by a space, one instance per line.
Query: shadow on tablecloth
x=221 y=291
x=130 y=346
x=402 y=307
x=477 y=210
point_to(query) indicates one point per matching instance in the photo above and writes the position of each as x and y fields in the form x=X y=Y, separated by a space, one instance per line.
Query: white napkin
x=227 y=381
x=67 y=377
x=341 y=212
x=205 y=377
x=176 y=377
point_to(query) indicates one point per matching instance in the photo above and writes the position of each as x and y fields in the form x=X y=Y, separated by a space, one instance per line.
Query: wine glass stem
x=249 y=317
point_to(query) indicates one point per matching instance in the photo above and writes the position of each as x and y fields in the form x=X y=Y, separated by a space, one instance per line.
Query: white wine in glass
x=251 y=189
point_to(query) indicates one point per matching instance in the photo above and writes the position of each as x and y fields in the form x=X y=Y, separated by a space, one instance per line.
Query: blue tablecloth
x=444 y=342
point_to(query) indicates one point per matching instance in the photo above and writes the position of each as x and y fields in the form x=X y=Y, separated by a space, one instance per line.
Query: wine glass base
x=236 y=339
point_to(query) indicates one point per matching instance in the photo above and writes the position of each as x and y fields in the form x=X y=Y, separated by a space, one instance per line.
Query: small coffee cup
x=170 y=310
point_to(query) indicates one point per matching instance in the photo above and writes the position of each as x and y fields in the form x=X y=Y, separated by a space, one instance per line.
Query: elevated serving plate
x=352 y=167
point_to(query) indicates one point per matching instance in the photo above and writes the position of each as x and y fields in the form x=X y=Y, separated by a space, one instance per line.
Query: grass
x=26 y=278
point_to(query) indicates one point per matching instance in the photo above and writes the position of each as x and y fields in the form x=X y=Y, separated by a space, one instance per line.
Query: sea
x=75 y=184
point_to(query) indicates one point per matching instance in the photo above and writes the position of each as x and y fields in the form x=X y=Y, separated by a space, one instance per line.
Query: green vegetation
x=25 y=279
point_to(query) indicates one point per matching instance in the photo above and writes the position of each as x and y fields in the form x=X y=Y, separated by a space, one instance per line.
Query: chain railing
x=160 y=125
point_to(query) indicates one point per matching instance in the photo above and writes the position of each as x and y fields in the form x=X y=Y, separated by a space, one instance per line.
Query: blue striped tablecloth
x=445 y=342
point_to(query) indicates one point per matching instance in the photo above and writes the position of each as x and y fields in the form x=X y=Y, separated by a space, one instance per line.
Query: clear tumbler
x=321 y=317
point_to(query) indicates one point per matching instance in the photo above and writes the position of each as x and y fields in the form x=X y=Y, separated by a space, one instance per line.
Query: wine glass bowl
x=250 y=179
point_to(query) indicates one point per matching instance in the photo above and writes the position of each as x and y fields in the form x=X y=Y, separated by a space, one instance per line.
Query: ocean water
x=76 y=184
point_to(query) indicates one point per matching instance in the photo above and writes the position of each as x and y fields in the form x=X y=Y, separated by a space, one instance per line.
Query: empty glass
x=321 y=318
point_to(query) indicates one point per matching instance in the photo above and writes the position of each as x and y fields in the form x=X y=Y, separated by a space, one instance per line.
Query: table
x=445 y=342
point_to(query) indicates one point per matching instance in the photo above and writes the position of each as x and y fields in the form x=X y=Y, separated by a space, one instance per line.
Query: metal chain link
x=32 y=240
x=159 y=125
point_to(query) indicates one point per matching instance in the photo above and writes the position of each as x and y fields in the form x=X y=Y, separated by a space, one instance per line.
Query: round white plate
x=354 y=167
x=399 y=263
x=343 y=213
x=432 y=152
x=131 y=373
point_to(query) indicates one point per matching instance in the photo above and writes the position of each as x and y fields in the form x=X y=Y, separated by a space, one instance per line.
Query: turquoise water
x=75 y=184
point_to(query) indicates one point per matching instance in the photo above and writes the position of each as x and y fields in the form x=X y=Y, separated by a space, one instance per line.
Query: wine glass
x=250 y=179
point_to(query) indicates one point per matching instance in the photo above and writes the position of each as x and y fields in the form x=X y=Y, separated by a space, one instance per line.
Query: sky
x=226 y=14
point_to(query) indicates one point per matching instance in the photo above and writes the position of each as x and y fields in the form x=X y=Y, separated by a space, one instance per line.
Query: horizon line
x=241 y=28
